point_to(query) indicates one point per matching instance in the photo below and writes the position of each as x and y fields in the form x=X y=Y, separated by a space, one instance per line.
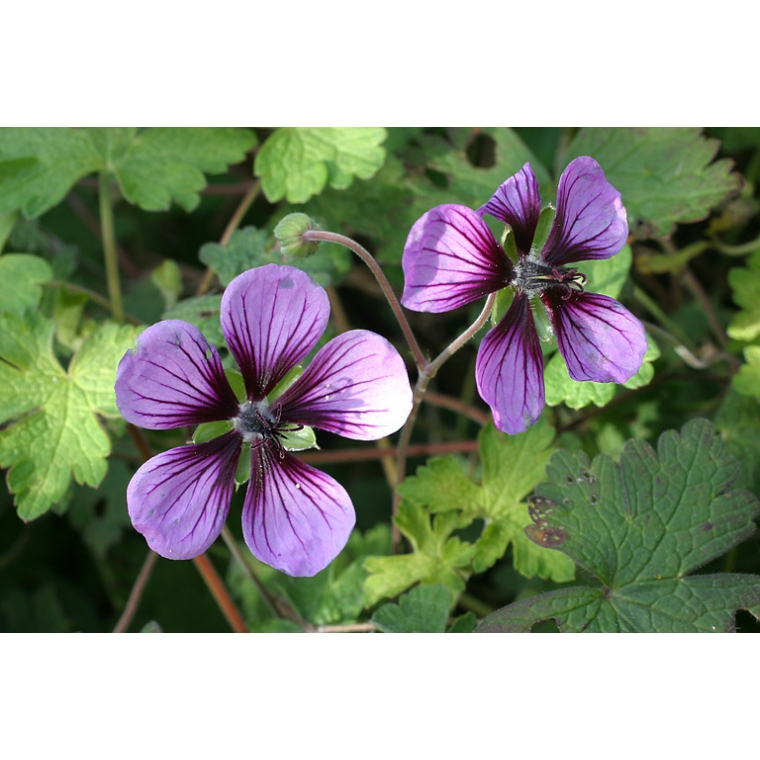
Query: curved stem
x=369 y=260
x=109 y=245
x=455 y=345
x=232 y=225
x=736 y=250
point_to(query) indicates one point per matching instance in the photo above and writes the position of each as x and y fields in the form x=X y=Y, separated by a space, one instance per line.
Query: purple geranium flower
x=451 y=258
x=295 y=517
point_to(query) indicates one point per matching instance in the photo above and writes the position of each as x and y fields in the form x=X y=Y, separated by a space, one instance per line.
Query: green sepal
x=543 y=228
x=243 y=472
x=509 y=244
x=298 y=440
x=207 y=431
x=541 y=318
x=285 y=383
x=235 y=379
x=501 y=305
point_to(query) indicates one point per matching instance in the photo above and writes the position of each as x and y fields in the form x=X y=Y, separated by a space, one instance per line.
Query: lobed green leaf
x=640 y=527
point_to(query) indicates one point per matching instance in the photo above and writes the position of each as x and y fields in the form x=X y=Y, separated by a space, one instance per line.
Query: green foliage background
x=68 y=555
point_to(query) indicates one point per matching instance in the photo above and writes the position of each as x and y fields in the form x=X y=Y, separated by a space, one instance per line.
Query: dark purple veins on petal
x=451 y=258
x=174 y=377
x=272 y=316
x=517 y=203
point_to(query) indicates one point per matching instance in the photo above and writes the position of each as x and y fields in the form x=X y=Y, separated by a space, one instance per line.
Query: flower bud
x=290 y=233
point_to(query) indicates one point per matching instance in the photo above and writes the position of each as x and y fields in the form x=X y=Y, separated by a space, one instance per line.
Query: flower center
x=257 y=420
x=533 y=277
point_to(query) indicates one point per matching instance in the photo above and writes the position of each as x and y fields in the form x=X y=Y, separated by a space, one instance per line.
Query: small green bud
x=290 y=233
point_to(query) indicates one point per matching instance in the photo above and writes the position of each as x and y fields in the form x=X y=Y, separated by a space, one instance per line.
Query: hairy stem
x=369 y=260
x=109 y=245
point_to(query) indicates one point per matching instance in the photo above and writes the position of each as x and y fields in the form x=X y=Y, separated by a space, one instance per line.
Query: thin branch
x=456 y=405
x=344 y=456
x=136 y=593
x=232 y=225
x=219 y=592
x=369 y=260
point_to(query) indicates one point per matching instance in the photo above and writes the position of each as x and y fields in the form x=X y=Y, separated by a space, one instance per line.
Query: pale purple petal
x=173 y=377
x=591 y=222
x=598 y=337
x=272 y=316
x=356 y=386
x=179 y=499
x=295 y=518
x=451 y=258
x=509 y=370
x=518 y=204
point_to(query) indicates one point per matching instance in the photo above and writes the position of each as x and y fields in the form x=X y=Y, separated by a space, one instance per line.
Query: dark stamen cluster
x=257 y=420
x=533 y=276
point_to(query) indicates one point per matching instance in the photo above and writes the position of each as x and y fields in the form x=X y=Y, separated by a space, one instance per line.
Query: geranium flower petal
x=517 y=203
x=357 y=386
x=591 y=221
x=509 y=370
x=272 y=316
x=598 y=337
x=451 y=258
x=295 y=518
x=173 y=377
x=179 y=499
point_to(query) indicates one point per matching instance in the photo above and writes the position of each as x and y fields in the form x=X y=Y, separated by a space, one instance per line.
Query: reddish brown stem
x=366 y=455
x=219 y=592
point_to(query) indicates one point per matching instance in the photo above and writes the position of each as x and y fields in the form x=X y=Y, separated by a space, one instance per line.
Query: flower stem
x=232 y=545
x=136 y=593
x=109 y=245
x=369 y=260
x=424 y=377
x=232 y=225
x=220 y=593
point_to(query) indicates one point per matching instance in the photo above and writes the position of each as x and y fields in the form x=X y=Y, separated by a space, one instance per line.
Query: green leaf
x=39 y=166
x=404 y=194
x=738 y=420
x=440 y=498
x=201 y=311
x=7 y=221
x=745 y=283
x=334 y=596
x=154 y=167
x=296 y=163
x=747 y=380
x=53 y=431
x=463 y=624
x=424 y=609
x=21 y=276
x=248 y=248
x=640 y=527
x=101 y=515
x=167 y=164
x=607 y=276
x=561 y=388
x=664 y=174
x=438 y=557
